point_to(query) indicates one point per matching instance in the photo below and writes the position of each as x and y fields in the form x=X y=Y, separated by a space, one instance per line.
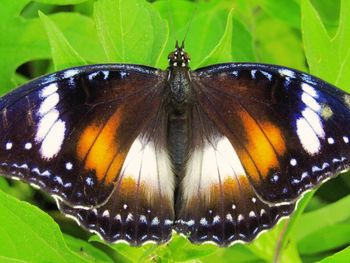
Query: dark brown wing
x=266 y=135
x=69 y=132
x=290 y=130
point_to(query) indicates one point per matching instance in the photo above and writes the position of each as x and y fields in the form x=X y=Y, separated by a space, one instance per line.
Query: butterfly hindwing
x=289 y=129
x=140 y=208
x=217 y=203
x=69 y=132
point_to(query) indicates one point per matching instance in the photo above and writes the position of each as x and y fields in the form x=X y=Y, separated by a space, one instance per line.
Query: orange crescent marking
x=259 y=146
x=100 y=148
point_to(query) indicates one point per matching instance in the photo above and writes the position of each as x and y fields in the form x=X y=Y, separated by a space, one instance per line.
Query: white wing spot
x=48 y=90
x=168 y=222
x=52 y=143
x=267 y=75
x=189 y=222
x=229 y=217
x=216 y=219
x=307 y=137
x=45 y=124
x=203 y=221
x=69 y=166
x=253 y=73
x=314 y=121
x=8 y=145
x=330 y=140
x=310 y=102
x=105 y=213
x=286 y=73
x=48 y=104
x=309 y=90
x=28 y=146
x=129 y=218
x=252 y=214
x=143 y=219
x=293 y=162
x=345 y=139
x=155 y=221
x=118 y=218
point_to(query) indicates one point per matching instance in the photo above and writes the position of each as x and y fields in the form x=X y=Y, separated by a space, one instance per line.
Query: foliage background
x=41 y=36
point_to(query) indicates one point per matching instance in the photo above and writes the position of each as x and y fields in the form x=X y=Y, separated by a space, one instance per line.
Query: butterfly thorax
x=179 y=78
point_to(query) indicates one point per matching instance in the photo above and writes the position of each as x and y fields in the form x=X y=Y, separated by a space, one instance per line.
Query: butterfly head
x=179 y=57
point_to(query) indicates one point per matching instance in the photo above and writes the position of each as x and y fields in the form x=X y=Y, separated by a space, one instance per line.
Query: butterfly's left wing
x=94 y=137
x=271 y=133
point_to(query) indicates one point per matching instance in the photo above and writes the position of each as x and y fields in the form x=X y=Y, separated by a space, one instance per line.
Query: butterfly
x=218 y=154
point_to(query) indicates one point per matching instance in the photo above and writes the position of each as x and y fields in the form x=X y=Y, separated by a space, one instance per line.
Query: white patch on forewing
x=151 y=166
x=287 y=73
x=70 y=73
x=48 y=90
x=52 y=143
x=49 y=103
x=45 y=124
x=309 y=90
x=307 y=137
x=209 y=165
x=314 y=121
x=310 y=102
x=50 y=130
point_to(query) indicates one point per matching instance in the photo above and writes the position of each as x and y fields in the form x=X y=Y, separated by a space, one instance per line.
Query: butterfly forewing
x=70 y=132
x=290 y=130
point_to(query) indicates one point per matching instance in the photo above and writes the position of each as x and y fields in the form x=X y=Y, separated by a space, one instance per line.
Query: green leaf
x=327 y=57
x=180 y=249
x=329 y=13
x=131 y=31
x=287 y=11
x=61 y=2
x=268 y=244
x=237 y=253
x=340 y=257
x=127 y=252
x=242 y=42
x=28 y=234
x=24 y=40
x=276 y=43
x=223 y=50
x=327 y=216
x=86 y=250
x=63 y=54
x=326 y=239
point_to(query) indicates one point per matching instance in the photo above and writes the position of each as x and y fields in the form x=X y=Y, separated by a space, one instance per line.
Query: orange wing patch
x=97 y=145
x=262 y=144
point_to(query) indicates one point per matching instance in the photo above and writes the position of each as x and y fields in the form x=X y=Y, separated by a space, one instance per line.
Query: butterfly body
x=133 y=152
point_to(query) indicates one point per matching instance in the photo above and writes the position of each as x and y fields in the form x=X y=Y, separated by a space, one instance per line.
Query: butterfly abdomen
x=178 y=116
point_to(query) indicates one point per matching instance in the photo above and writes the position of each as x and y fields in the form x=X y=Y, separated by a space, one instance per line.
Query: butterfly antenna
x=190 y=23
